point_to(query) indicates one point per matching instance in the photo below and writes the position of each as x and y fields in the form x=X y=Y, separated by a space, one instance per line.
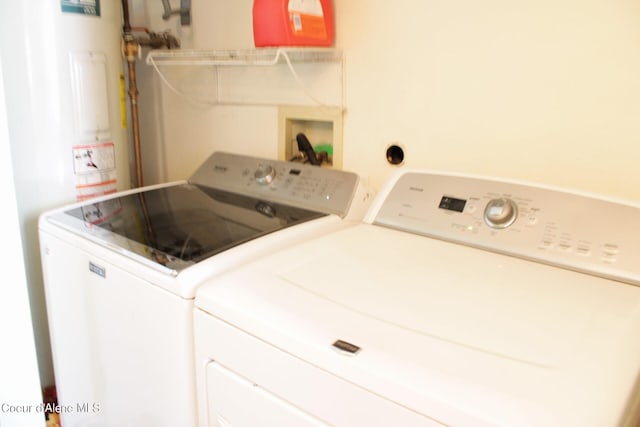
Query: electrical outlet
x=321 y=125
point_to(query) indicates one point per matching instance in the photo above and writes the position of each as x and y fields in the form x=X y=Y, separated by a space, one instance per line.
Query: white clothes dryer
x=121 y=272
x=459 y=301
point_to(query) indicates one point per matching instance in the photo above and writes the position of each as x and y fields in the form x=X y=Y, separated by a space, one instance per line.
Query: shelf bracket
x=184 y=11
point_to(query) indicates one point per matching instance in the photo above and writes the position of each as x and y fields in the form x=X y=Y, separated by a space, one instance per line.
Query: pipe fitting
x=132 y=49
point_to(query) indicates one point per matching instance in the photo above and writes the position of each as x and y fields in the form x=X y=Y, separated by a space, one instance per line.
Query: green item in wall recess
x=327 y=148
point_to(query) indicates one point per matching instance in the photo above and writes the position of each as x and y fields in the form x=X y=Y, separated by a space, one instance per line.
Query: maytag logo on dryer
x=346 y=347
x=96 y=269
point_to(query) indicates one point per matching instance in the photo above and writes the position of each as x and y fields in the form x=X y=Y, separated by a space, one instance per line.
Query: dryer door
x=233 y=401
x=244 y=381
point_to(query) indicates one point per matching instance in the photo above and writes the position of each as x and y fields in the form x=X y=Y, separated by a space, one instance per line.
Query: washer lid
x=177 y=226
x=459 y=334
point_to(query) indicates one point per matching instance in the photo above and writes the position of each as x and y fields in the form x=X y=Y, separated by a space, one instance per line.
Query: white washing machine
x=121 y=274
x=459 y=301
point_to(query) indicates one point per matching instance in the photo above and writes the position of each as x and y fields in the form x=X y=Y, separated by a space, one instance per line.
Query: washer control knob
x=500 y=213
x=265 y=174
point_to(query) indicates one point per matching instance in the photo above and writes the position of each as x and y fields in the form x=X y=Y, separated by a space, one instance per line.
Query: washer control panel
x=565 y=228
x=315 y=188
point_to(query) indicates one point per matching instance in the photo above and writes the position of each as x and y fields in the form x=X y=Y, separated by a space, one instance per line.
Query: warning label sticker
x=95 y=169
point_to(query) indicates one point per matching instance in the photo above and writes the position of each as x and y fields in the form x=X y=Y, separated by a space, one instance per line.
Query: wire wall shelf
x=247 y=57
x=262 y=76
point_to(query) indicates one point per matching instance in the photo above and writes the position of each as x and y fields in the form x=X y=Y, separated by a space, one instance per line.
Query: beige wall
x=545 y=90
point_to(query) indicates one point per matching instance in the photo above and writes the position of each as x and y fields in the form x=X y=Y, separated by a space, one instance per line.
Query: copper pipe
x=132 y=47
x=131 y=50
x=126 y=27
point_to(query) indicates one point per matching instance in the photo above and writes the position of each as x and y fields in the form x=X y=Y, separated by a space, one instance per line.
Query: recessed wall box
x=321 y=125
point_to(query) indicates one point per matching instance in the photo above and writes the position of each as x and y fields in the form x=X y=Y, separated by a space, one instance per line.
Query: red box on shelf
x=293 y=23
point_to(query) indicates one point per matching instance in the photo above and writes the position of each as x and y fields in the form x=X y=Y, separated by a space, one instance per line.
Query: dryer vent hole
x=395 y=155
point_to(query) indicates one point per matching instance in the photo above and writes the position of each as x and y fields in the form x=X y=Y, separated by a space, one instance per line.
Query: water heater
x=91 y=73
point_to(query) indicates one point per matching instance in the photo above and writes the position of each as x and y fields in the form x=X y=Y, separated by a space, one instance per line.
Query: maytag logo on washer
x=100 y=271
x=218 y=168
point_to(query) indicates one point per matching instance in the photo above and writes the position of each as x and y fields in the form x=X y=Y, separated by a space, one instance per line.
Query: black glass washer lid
x=180 y=225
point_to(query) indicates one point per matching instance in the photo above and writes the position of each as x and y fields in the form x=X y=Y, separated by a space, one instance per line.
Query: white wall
x=26 y=44
x=544 y=90
x=547 y=90
x=19 y=379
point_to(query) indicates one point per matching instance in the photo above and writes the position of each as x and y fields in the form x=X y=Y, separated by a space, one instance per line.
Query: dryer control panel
x=570 y=229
